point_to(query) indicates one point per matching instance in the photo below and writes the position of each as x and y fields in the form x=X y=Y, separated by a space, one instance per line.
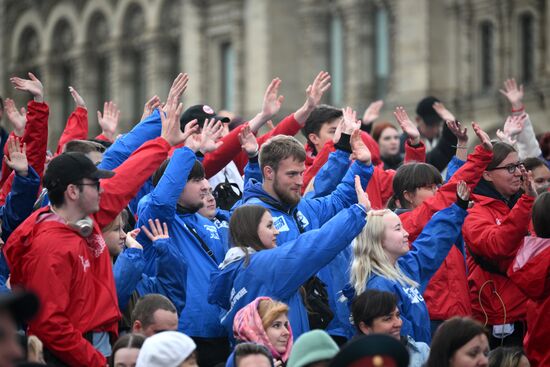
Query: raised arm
x=436 y=239
x=77 y=124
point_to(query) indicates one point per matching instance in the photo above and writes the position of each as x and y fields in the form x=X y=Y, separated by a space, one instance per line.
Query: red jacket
x=380 y=188
x=72 y=275
x=494 y=232
x=530 y=271
x=447 y=294
x=231 y=149
x=75 y=129
x=36 y=138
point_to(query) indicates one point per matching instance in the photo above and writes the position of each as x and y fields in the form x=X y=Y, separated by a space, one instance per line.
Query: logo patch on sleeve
x=280 y=224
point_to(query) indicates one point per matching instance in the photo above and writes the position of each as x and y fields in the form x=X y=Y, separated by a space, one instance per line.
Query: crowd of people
x=195 y=240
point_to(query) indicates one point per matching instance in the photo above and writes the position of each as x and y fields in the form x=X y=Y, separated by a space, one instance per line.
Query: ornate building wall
x=399 y=50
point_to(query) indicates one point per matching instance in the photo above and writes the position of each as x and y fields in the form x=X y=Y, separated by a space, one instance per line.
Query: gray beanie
x=313 y=346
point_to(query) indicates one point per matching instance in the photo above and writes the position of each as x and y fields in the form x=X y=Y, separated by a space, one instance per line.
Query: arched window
x=29 y=46
x=64 y=71
x=336 y=63
x=170 y=26
x=98 y=35
x=135 y=59
x=228 y=76
x=486 y=52
x=382 y=51
x=527 y=47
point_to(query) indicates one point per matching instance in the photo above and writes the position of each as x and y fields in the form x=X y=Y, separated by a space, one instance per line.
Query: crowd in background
x=194 y=239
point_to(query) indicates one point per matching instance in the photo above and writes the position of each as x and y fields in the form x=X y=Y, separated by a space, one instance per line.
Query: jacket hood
x=485 y=188
x=532 y=246
x=221 y=284
x=253 y=189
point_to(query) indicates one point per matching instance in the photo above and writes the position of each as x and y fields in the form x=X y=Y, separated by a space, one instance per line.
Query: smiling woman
x=265 y=321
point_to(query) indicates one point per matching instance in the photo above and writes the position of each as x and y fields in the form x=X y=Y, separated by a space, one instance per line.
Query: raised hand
x=77 y=98
x=17 y=118
x=157 y=231
x=176 y=90
x=362 y=197
x=210 y=134
x=513 y=93
x=193 y=140
x=460 y=132
x=407 y=125
x=31 y=85
x=350 y=122
x=528 y=184
x=463 y=191
x=150 y=106
x=109 y=120
x=483 y=136
x=505 y=138
x=272 y=99
x=359 y=150
x=171 y=130
x=514 y=125
x=130 y=240
x=17 y=156
x=316 y=90
x=248 y=141
x=372 y=112
x=338 y=132
x=443 y=112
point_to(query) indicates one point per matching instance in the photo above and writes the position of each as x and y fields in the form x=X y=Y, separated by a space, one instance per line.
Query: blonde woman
x=384 y=260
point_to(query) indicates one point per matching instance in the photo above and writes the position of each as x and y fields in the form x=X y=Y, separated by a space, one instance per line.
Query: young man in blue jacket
x=175 y=200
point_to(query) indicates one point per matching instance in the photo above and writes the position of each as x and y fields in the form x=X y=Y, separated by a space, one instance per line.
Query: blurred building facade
x=399 y=50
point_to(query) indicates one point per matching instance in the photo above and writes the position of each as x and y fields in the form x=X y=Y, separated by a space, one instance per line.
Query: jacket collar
x=485 y=188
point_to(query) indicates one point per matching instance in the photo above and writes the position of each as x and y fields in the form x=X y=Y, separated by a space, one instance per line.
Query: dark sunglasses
x=95 y=183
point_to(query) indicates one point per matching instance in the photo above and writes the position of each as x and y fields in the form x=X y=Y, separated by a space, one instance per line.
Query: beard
x=190 y=207
x=286 y=196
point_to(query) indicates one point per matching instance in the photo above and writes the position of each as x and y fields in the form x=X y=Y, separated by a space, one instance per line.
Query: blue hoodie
x=170 y=280
x=428 y=253
x=279 y=272
x=313 y=213
x=199 y=318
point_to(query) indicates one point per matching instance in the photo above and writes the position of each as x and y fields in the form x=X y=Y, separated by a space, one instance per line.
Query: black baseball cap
x=200 y=112
x=71 y=167
x=426 y=111
x=22 y=305
x=365 y=350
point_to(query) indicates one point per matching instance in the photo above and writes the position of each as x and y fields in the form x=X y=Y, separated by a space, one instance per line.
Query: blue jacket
x=330 y=175
x=123 y=147
x=170 y=280
x=199 y=318
x=420 y=264
x=310 y=213
x=279 y=272
x=18 y=206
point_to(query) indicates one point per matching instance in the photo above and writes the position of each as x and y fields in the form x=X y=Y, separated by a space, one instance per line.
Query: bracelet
x=519 y=109
x=460 y=146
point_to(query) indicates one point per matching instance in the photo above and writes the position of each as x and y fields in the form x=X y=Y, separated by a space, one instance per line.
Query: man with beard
x=282 y=162
x=180 y=190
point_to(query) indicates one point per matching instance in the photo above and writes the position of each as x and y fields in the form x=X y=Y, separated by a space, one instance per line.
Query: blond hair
x=269 y=310
x=369 y=256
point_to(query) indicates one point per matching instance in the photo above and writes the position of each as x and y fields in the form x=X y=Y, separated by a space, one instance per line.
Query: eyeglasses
x=95 y=183
x=511 y=168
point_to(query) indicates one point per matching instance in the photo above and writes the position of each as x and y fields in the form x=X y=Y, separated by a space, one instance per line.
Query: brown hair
x=243 y=228
x=500 y=152
x=450 y=337
x=278 y=148
x=541 y=215
x=505 y=357
x=130 y=341
x=380 y=127
x=84 y=146
x=269 y=310
x=410 y=177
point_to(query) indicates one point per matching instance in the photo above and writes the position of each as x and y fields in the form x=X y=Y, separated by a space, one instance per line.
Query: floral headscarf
x=247 y=326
